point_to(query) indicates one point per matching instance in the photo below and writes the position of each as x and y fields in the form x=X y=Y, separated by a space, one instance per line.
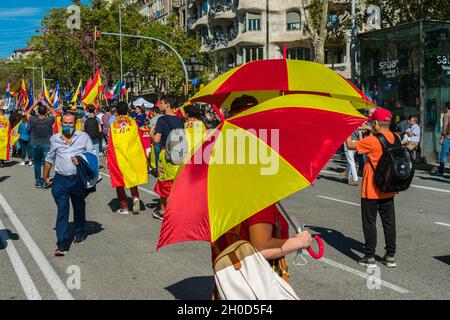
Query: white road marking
x=430 y=188
x=342 y=201
x=412 y=185
x=443 y=224
x=25 y=280
x=58 y=287
x=140 y=188
x=360 y=274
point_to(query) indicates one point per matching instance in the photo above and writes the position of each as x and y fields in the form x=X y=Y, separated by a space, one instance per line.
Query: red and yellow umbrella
x=253 y=160
x=267 y=79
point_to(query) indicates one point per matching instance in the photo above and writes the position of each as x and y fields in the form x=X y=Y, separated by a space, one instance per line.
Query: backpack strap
x=385 y=144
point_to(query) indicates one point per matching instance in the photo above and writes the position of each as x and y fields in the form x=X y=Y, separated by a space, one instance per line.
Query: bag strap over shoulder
x=236 y=237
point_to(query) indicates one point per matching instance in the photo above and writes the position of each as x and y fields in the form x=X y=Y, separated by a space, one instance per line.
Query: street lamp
x=194 y=66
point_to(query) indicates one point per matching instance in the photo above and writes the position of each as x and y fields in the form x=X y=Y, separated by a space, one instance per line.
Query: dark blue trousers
x=63 y=189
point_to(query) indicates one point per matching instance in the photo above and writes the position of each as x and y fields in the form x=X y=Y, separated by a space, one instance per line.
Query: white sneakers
x=136 y=206
x=123 y=211
x=22 y=163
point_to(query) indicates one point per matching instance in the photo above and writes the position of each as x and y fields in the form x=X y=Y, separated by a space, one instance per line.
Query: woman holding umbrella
x=267 y=230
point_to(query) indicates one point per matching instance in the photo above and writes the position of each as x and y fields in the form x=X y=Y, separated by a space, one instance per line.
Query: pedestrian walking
x=41 y=132
x=24 y=141
x=444 y=141
x=159 y=134
x=64 y=148
x=126 y=160
x=351 y=173
x=5 y=132
x=372 y=199
x=92 y=127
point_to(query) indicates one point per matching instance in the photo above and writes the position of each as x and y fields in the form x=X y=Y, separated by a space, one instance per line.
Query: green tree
x=70 y=55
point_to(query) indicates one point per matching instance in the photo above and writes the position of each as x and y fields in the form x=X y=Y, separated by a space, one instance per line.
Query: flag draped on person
x=79 y=92
x=5 y=130
x=126 y=159
x=94 y=90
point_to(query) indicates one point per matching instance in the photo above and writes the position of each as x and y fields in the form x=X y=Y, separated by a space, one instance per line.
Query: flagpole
x=120 y=28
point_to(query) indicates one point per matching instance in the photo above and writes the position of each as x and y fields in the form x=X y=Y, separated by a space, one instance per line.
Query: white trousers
x=350 y=172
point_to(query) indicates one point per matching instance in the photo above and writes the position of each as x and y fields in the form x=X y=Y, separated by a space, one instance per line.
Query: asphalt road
x=118 y=259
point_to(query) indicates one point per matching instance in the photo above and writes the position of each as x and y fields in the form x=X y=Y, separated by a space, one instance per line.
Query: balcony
x=220 y=40
x=221 y=11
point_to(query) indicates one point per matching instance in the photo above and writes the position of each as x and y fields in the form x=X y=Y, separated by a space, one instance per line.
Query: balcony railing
x=218 y=8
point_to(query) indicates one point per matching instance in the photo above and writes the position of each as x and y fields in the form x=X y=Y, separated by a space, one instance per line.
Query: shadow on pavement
x=8 y=164
x=195 y=288
x=115 y=205
x=335 y=179
x=341 y=242
x=444 y=180
x=154 y=204
x=6 y=234
x=4 y=178
x=444 y=259
x=91 y=227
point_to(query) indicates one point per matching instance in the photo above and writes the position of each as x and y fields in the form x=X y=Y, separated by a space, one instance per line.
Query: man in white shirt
x=412 y=136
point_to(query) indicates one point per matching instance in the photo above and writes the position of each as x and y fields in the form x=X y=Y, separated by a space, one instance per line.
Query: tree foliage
x=70 y=55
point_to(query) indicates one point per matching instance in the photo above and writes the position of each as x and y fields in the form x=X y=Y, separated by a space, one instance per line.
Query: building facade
x=237 y=29
x=160 y=10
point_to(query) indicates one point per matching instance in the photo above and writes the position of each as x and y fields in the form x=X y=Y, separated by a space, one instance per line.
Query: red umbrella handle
x=317 y=255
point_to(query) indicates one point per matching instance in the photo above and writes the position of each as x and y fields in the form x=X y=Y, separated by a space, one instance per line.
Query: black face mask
x=68 y=131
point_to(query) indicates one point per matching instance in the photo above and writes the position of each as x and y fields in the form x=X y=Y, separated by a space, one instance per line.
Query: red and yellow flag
x=15 y=135
x=127 y=163
x=15 y=89
x=94 y=89
x=5 y=130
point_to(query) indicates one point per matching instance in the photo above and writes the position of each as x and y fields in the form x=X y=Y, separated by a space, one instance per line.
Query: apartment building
x=160 y=10
x=237 y=29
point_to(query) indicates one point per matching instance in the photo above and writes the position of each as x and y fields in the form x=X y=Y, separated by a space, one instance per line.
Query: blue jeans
x=39 y=154
x=63 y=188
x=97 y=142
x=444 y=150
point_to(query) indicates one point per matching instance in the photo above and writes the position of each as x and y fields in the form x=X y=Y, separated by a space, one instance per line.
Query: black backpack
x=395 y=169
x=91 y=128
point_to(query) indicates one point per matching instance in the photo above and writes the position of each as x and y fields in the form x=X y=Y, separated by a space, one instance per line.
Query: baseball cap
x=381 y=114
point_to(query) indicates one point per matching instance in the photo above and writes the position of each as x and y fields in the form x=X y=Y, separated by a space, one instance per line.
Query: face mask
x=68 y=131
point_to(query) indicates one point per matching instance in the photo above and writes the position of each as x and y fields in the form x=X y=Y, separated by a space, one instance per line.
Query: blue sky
x=19 y=19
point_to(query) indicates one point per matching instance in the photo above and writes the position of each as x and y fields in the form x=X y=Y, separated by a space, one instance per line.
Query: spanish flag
x=15 y=89
x=126 y=159
x=94 y=89
x=45 y=95
x=5 y=134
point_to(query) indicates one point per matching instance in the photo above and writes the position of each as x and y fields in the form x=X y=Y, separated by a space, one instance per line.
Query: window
x=292 y=21
x=253 y=53
x=299 y=53
x=204 y=8
x=253 y=22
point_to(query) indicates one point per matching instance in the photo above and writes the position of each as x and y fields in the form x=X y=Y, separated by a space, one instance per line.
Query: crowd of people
x=134 y=142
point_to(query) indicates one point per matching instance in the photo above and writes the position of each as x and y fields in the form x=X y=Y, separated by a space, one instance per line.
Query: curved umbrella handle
x=317 y=255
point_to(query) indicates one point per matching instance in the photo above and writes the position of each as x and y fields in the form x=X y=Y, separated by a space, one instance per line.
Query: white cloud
x=19 y=12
